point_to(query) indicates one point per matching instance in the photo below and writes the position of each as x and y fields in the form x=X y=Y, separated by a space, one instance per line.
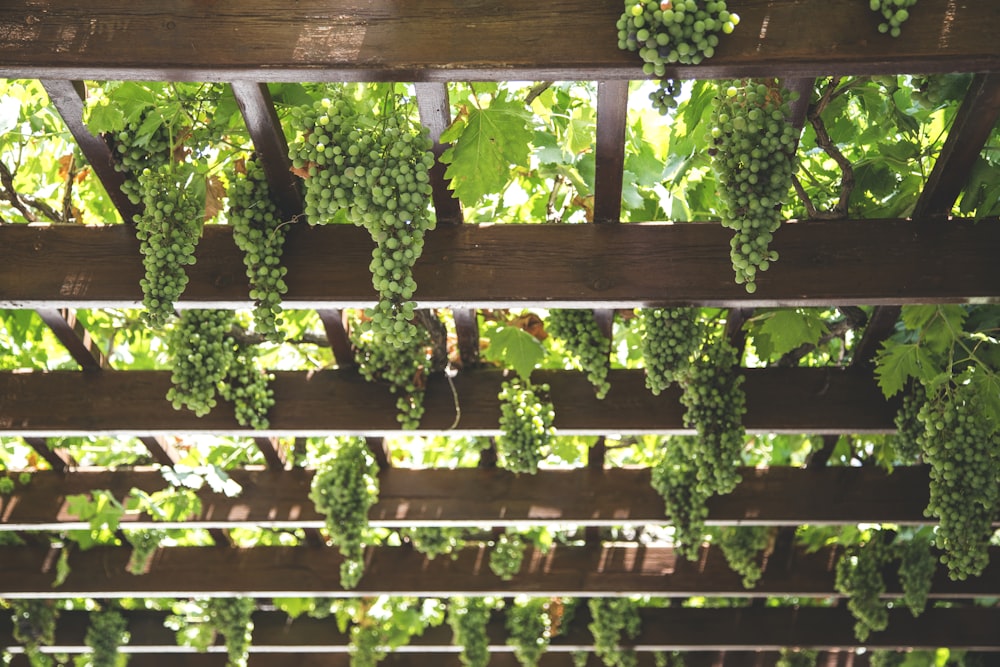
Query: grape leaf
x=515 y=348
x=781 y=331
x=485 y=146
x=897 y=362
x=939 y=325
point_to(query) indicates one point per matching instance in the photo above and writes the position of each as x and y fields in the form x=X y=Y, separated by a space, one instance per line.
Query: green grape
x=248 y=388
x=715 y=404
x=507 y=555
x=468 y=618
x=201 y=354
x=742 y=546
x=934 y=91
x=753 y=156
x=107 y=632
x=432 y=541
x=168 y=229
x=668 y=32
x=960 y=446
x=231 y=617
x=144 y=545
x=674 y=477
x=528 y=627
x=916 y=573
x=859 y=576
x=664 y=98
x=797 y=658
x=371 y=168
x=34 y=624
x=894 y=13
x=367 y=644
x=614 y=620
x=526 y=419
x=909 y=429
x=670 y=338
x=584 y=339
x=343 y=489
x=132 y=158
x=260 y=234
x=402 y=367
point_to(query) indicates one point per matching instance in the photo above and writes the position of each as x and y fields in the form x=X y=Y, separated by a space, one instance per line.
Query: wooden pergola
x=928 y=258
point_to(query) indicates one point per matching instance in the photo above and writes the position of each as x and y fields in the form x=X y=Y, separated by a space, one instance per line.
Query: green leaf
x=939 y=326
x=493 y=139
x=788 y=329
x=105 y=118
x=897 y=362
x=62 y=568
x=515 y=348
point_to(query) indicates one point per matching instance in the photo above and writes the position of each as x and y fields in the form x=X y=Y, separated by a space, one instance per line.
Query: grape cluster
x=859 y=576
x=507 y=555
x=144 y=545
x=168 y=229
x=260 y=234
x=742 y=546
x=909 y=428
x=614 y=619
x=401 y=366
x=585 y=340
x=964 y=457
x=107 y=631
x=132 y=159
x=372 y=170
x=670 y=337
x=715 y=403
x=343 y=489
x=665 y=32
x=916 y=572
x=797 y=658
x=432 y=541
x=888 y=658
x=208 y=360
x=231 y=617
x=674 y=477
x=894 y=13
x=468 y=618
x=528 y=629
x=526 y=418
x=664 y=97
x=753 y=156
x=34 y=627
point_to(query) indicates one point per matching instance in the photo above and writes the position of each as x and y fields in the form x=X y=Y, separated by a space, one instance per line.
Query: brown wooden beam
x=274 y=453
x=74 y=337
x=609 y=158
x=58 y=459
x=265 y=40
x=435 y=113
x=479 y=496
x=609 y=266
x=161 y=450
x=336 y=333
x=779 y=400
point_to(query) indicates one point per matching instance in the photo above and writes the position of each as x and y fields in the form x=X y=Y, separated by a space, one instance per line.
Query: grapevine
x=797 y=658
x=684 y=500
x=371 y=169
x=144 y=545
x=507 y=555
x=168 y=229
x=753 y=156
x=526 y=424
x=401 y=366
x=468 y=618
x=344 y=489
x=742 y=546
x=432 y=541
x=231 y=617
x=584 y=339
x=670 y=337
x=260 y=234
x=715 y=402
x=107 y=632
x=894 y=14
x=673 y=31
x=916 y=572
x=614 y=620
x=859 y=576
x=528 y=629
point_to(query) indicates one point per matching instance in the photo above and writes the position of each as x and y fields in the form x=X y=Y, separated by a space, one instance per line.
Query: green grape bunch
x=670 y=338
x=742 y=547
x=585 y=340
x=916 y=572
x=753 y=157
x=468 y=618
x=674 y=478
x=859 y=576
x=231 y=618
x=894 y=14
x=106 y=633
x=507 y=555
x=667 y=32
x=132 y=157
x=259 y=233
x=526 y=419
x=528 y=626
x=371 y=169
x=403 y=367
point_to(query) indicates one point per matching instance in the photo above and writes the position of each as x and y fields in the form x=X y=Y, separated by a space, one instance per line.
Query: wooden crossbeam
x=512 y=40
x=609 y=159
x=610 y=266
x=57 y=458
x=779 y=400
x=662 y=629
x=476 y=496
x=74 y=337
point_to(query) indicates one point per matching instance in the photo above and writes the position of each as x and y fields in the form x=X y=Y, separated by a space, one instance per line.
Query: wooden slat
x=592 y=570
x=58 y=459
x=858 y=262
x=662 y=629
x=435 y=113
x=266 y=40
x=161 y=450
x=272 y=450
x=612 y=115
x=68 y=98
x=489 y=496
x=779 y=400
x=336 y=333
x=74 y=337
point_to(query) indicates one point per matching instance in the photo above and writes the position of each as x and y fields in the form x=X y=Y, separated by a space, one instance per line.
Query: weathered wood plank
x=311 y=40
x=597 y=266
x=779 y=400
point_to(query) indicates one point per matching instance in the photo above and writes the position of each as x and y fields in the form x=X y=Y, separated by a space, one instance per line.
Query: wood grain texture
x=440 y=40
x=779 y=400
x=497 y=266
